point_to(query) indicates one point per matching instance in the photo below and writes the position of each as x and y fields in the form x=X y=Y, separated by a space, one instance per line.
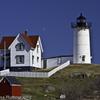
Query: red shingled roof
x=31 y=40
x=7 y=41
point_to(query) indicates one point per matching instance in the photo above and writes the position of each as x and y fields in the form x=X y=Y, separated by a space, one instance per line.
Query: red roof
x=31 y=40
x=6 y=41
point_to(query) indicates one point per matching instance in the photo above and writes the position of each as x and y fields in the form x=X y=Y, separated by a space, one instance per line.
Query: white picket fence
x=4 y=72
x=39 y=74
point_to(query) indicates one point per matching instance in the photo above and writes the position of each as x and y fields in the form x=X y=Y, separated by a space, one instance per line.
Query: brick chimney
x=25 y=32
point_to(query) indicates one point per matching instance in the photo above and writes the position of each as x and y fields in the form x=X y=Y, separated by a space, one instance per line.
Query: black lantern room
x=81 y=22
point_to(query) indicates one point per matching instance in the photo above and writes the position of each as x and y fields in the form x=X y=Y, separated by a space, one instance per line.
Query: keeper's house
x=21 y=52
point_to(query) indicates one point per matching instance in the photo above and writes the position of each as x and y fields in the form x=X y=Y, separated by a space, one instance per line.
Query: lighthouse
x=81 y=41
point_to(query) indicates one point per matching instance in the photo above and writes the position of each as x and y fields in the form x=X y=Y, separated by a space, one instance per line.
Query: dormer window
x=20 y=47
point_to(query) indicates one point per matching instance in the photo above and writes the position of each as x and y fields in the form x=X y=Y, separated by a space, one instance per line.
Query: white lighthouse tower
x=81 y=45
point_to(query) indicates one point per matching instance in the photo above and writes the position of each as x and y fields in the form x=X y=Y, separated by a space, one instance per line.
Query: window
x=20 y=47
x=32 y=59
x=83 y=58
x=37 y=59
x=59 y=60
x=20 y=59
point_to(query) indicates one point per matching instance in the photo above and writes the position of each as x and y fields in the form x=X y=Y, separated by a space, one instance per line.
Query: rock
x=62 y=96
x=49 y=88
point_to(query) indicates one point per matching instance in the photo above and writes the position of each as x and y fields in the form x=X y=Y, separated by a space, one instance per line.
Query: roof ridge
x=31 y=40
x=27 y=38
x=11 y=80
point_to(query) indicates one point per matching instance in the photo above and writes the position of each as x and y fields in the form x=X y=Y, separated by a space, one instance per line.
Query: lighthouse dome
x=81 y=22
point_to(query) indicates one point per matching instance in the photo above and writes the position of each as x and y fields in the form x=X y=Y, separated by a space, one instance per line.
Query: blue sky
x=51 y=19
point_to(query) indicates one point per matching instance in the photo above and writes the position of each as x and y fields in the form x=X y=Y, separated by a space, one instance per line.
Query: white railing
x=29 y=74
x=39 y=74
x=58 y=68
x=4 y=72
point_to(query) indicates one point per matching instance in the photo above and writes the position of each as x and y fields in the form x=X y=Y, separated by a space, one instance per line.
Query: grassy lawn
x=42 y=69
x=60 y=82
x=51 y=88
x=86 y=68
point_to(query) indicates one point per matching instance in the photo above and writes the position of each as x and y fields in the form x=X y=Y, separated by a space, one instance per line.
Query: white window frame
x=20 y=59
x=20 y=47
x=37 y=59
x=32 y=59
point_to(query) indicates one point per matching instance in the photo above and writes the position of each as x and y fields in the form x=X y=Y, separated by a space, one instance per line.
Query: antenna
x=4 y=55
x=81 y=14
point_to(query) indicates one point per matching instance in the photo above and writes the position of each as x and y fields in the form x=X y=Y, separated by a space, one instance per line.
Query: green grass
x=36 y=87
x=43 y=70
x=61 y=82
x=89 y=69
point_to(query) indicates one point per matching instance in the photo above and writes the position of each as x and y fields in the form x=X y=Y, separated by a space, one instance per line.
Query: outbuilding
x=10 y=86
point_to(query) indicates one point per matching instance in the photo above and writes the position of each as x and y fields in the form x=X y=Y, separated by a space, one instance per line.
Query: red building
x=10 y=86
